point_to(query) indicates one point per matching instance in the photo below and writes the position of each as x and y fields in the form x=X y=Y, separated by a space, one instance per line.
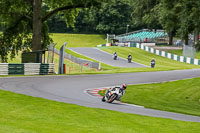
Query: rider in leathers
x=122 y=88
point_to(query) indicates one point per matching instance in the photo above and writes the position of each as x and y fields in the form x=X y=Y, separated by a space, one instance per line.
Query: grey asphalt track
x=71 y=89
x=104 y=57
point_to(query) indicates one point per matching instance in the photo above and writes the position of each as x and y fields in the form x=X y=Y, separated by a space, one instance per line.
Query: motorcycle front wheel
x=112 y=98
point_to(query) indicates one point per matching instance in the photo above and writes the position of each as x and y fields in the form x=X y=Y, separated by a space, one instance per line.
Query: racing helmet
x=124 y=86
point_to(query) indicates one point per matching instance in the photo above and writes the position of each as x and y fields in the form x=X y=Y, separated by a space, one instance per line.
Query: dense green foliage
x=20 y=113
x=112 y=17
x=23 y=22
x=176 y=17
x=25 y=27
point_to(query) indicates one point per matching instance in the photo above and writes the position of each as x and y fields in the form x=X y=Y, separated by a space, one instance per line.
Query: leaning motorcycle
x=112 y=95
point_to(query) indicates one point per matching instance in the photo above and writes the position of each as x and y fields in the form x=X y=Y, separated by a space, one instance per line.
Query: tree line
x=25 y=24
x=112 y=18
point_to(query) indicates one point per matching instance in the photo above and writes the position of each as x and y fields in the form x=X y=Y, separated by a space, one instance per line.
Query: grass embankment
x=103 y=66
x=181 y=96
x=20 y=113
x=180 y=53
x=140 y=56
x=74 y=40
x=78 y=40
x=143 y=57
x=71 y=67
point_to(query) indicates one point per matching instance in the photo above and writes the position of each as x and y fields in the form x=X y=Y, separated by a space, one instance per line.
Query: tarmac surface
x=72 y=89
x=104 y=57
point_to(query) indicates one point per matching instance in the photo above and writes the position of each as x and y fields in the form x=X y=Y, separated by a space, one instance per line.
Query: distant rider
x=153 y=63
x=115 y=56
x=129 y=58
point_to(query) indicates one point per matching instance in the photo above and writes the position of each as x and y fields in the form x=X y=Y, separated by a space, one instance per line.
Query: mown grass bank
x=181 y=96
x=20 y=113
x=139 y=56
x=180 y=53
x=143 y=57
x=78 y=40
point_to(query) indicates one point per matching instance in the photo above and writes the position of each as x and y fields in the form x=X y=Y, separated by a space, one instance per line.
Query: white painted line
x=133 y=105
x=163 y=53
x=188 y=60
x=169 y=55
x=175 y=57
x=181 y=58
x=147 y=49
x=157 y=52
x=137 y=45
x=196 y=61
x=142 y=47
x=152 y=50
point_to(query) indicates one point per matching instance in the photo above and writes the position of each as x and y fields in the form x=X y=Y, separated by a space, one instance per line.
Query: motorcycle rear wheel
x=103 y=99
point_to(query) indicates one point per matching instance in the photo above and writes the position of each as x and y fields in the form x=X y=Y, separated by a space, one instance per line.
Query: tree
x=144 y=13
x=175 y=16
x=112 y=17
x=168 y=11
x=189 y=19
x=25 y=22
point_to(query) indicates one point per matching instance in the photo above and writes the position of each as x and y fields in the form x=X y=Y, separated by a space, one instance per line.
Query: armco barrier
x=169 y=55
x=3 y=68
x=165 y=54
x=80 y=61
x=26 y=69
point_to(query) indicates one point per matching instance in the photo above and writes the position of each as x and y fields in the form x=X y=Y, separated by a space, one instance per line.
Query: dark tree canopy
x=112 y=17
x=23 y=22
x=177 y=17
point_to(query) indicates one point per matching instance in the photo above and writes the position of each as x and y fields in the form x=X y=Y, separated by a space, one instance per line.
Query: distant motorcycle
x=129 y=59
x=153 y=63
x=112 y=95
x=115 y=56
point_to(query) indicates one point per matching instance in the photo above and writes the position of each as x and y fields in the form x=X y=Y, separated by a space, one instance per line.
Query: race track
x=105 y=57
x=71 y=89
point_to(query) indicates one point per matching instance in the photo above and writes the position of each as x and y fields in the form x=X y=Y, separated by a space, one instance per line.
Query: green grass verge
x=140 y=56
x=179 y=52
x=78 y=40
x=181 y=96
x=25 y=114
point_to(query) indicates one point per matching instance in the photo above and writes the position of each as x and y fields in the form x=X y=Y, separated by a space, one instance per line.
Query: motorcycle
x=129 y=59
x=112 y=95
x=152 y=64
x=115 y=56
